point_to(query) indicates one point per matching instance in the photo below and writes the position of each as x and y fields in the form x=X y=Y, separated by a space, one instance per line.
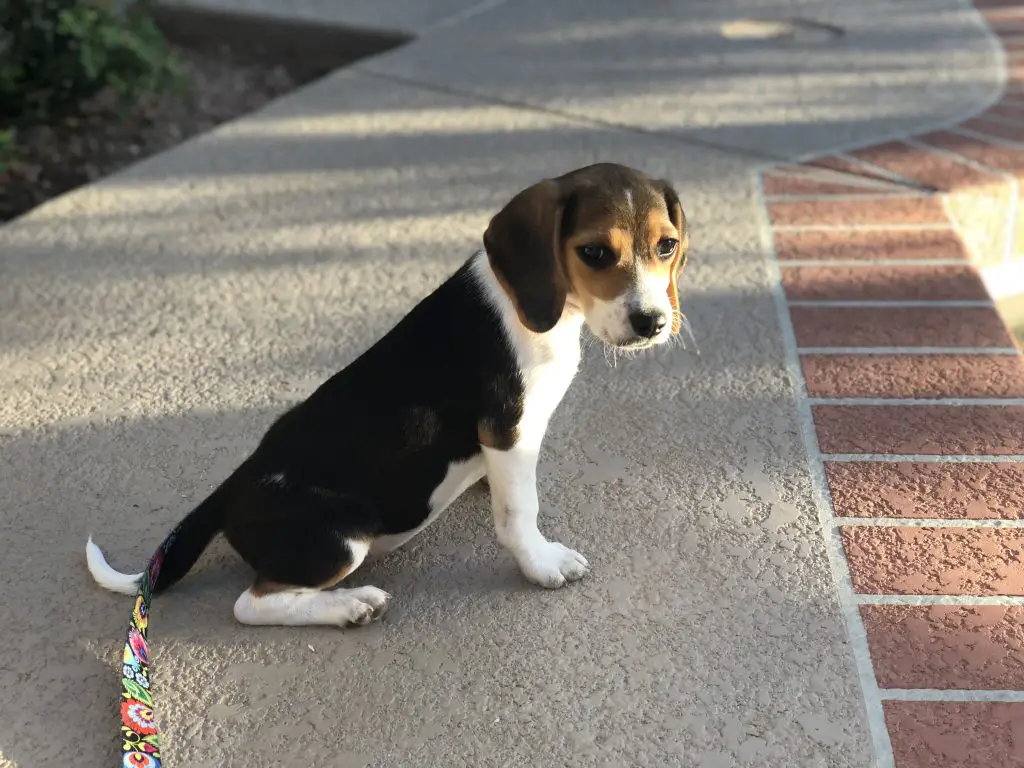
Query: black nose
x=647 y=324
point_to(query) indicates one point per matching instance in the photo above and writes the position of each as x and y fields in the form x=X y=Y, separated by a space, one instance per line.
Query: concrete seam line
x=461 y=16
x=670 y=138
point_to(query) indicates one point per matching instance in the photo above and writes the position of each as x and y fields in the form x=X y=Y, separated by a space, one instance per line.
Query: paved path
x=151 y=325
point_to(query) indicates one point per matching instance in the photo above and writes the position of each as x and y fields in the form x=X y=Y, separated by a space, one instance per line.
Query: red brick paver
x=936 y=170
x=977 y=647
x=925 y=429
x=917 y=489
x=873 y=244
x=943 y=734
x=940 y=602
x=899 y=327
x=882 y=283
x=842 y=213
x=787 y=184
x=908 y=560
x=913 y=376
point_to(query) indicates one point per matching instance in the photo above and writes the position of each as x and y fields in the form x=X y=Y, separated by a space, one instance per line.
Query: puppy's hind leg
x=269 y=602
x=299 y=557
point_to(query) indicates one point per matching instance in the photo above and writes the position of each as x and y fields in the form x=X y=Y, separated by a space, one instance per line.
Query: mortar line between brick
x=913 y=402
x=925 y=600
x=952 y=458
x=880 y=304
x=1009 y=122
x=997 y=141
x=864 y=263
x=927 y=227
x=880 y=170
x=1000 y=351
x=990 y=170
x=855 y=629
x=952 y=695
x=849 y=197
x=993 y=98
x=931 y=522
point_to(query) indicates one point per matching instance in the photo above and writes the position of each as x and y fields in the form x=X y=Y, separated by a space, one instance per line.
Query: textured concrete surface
x=664 y=65
x=153 y=324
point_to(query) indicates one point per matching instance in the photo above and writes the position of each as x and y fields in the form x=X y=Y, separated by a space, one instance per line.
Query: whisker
x=684 y=323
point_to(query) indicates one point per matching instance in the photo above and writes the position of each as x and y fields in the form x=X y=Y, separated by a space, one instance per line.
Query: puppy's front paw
x=551 y=565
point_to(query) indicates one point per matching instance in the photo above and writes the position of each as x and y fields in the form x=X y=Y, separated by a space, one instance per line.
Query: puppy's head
x=605 y=239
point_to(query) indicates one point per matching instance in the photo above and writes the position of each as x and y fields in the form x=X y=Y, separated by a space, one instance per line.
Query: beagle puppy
x=461 y=389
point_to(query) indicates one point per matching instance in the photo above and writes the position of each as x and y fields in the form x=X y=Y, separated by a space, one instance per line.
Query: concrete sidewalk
x=152 y=325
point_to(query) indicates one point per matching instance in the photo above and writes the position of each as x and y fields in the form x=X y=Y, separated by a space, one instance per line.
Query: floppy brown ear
x=523 y=243
x=675 y=212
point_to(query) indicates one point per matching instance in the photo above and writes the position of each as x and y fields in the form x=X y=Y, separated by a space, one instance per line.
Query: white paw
x=551 y=565
x=363 y=604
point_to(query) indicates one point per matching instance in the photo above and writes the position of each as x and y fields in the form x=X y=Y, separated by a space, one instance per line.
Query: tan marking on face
x=608 y=283
x=631 y=234
x=533 y=242
x=660 y=226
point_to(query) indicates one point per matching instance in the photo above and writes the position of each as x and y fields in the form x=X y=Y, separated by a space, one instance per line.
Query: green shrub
x=56 y=53
x=8 y=148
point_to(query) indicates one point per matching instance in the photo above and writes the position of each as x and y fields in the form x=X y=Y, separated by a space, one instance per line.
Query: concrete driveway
x=152 y=325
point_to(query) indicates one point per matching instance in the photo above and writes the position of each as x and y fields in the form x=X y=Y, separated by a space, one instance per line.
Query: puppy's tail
x=190 y=538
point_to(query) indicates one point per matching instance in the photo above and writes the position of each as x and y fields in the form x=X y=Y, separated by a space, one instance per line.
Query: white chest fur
x=548 y=362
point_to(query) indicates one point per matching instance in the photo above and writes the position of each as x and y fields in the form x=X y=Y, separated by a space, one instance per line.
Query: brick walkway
x=914 y=416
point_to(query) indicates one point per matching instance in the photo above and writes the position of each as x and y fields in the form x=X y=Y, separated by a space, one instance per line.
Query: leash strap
x=140 y=746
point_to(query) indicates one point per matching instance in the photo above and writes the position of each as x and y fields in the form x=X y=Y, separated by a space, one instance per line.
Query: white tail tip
x=107 y=577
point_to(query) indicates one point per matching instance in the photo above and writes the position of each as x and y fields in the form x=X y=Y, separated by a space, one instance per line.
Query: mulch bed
x=232 y=65
x=54 y=159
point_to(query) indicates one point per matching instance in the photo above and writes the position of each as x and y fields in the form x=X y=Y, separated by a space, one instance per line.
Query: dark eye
x=596 y=256
x=667 y=247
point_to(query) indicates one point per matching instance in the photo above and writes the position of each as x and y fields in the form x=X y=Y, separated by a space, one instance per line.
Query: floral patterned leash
x=140 y=746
